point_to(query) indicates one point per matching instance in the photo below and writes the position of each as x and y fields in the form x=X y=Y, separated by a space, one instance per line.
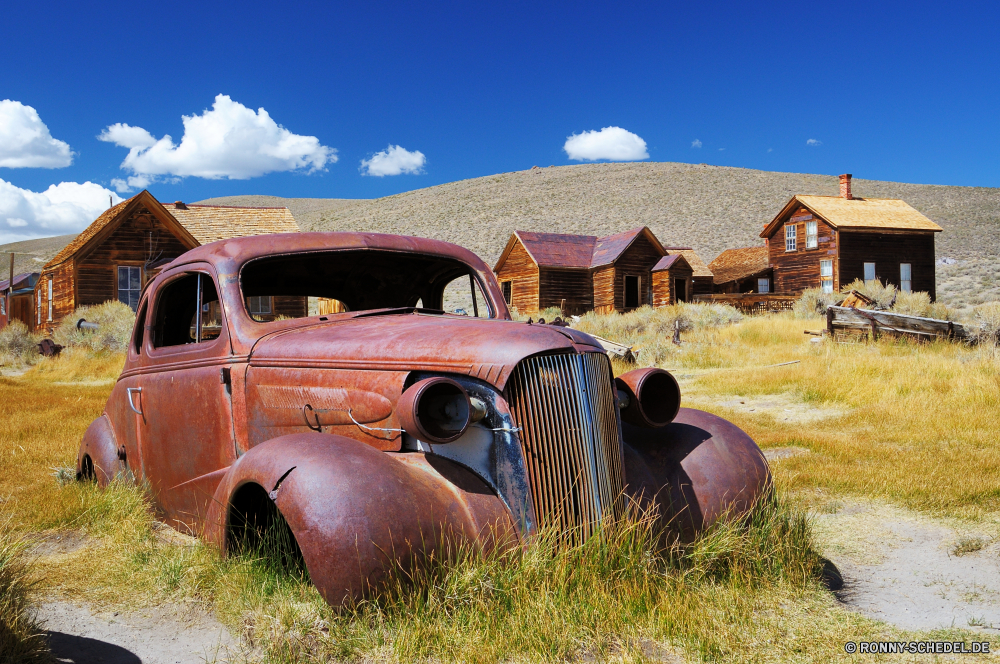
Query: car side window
x=140 y=328
x=187 y=311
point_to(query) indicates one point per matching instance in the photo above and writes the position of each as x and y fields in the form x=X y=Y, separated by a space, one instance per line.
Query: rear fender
x=696 y=469
x=98 y=453
x=356 y=511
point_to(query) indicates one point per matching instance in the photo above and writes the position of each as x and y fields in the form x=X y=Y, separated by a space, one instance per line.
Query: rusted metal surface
x=653 y=397
x=323 y=418
x=696 y=469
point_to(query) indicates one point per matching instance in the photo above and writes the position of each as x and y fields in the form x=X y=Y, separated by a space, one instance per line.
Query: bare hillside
x=710 y=208
x=30 y=255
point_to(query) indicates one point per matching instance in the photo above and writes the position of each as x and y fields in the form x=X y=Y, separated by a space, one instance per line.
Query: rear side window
x=187 y=311
x=140 y=328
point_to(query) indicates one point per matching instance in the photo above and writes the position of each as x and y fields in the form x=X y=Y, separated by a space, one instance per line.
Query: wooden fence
x=850 y=324
x=751 y=303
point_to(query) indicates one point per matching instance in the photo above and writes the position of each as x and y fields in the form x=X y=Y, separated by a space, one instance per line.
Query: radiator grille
x=565 y=407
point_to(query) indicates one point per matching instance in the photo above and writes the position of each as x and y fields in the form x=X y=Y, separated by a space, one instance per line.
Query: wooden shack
x=672 y=280
x=17 y=299
x=701 y=275
x=114 y=257
x=829 y=241
x=580 y=273
x=744 y=270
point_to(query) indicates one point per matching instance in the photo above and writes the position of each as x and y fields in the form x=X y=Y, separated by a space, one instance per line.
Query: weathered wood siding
x=572 y=285
x=139 y=240
x=290 y=306
x=604 y=290
x=795 y=271
x=887 y=249
x=636 y=261
x=63 y=296
x=522 y=272
x=663 y=286
x=702 y=286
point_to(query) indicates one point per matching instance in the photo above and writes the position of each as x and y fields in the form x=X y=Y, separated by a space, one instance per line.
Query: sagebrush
x=18 y=346
x=115 y=321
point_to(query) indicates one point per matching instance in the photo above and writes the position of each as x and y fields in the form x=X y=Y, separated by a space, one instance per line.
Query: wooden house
x=17 y=300
x=673 y=280
x=701 y=275
x=114 y=257
x=743 y=270
x=829 y=241
x=580 y=273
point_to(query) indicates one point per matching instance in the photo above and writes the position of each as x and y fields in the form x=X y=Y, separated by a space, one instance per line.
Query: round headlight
x=435 y=410
x=651 y=397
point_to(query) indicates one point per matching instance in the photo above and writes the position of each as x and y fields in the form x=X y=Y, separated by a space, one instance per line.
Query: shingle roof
x=875 y=213
x=558 y=249
x=609 y=248
x=698 y=267
x=734 y=264
x=90 y=231
x=210 y=223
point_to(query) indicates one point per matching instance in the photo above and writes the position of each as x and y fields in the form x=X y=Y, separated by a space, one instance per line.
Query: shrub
x=21 y=638
x=17 y=345
x=986 y=323
x=918 y=303
x=115 y=320
x=884 y=295
x=813 y=302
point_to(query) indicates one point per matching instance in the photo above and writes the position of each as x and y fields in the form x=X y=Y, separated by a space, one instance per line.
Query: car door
x=186 y=426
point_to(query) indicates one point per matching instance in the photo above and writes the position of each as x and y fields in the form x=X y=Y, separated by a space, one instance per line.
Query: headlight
x=435 y=410
x=648 y=397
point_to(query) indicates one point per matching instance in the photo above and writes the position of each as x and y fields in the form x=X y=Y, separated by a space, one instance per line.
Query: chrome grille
x=565 y=407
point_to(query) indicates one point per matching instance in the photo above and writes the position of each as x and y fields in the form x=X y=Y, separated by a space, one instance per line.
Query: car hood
x=485 y=349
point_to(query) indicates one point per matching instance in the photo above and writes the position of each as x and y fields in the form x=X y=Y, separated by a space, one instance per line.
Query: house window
x=38 y=309
x=50 y=298
x=260 y=306
x=789 y=237
x=505 y=287
x=631 y=292
x=129 y=285
x=869 y=271
x=904 y=277
x=3 y=306
x=812 y=240
x=826 y=276
x=764 y=285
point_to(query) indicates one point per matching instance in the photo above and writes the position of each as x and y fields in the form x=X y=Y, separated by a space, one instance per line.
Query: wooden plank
x=849 y=318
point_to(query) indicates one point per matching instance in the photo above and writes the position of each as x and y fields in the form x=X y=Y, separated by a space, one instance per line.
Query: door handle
x=129 y=391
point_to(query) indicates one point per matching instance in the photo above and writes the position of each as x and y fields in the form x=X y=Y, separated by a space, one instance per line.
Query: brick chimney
x=845 y=186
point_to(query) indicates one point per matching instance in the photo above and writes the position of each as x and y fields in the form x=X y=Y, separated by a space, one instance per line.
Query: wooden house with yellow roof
x=829 y=241
x=114 y=257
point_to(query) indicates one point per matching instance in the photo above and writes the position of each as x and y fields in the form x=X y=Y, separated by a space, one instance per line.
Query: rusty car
x=318 y=380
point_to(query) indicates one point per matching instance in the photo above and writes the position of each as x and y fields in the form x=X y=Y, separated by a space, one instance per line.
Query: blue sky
x=891 y=91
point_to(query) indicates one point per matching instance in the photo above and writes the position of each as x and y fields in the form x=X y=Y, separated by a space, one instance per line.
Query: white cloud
x=25 y=141
x=611 y=143
x=696 y=143
x=813 y=142
x=67 y=207
x=394 y=160
x=228 y=141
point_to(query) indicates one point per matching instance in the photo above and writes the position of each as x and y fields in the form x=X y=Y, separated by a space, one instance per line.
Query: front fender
x=695 y=469
x=355 y=511
x=101 y=447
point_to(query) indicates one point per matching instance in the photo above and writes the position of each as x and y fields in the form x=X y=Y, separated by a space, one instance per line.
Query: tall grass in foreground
x=21 y=638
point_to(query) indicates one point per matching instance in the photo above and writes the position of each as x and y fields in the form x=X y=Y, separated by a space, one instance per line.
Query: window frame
x=119 y=290
x=826 y=280
x=812 y=239
x=49 y=320
x=864 y=273
x=906 y=285
x=791 y=237
x=767 y=285
x=507 y=291
x=211 y=346
x=260 y=299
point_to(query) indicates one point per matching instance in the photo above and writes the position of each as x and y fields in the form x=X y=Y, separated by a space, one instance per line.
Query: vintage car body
x=234 y=418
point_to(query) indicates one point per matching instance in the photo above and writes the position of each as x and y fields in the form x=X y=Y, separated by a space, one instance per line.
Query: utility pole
x=10 y=288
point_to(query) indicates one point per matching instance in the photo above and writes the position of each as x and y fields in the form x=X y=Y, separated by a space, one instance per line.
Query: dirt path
x=170 y=634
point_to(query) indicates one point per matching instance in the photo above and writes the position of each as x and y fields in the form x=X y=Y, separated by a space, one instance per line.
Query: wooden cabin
x=743 y=270
x=673 y=280
x=829 y=241
x=17 y=300
x=114 y=257
x=580 y=273
x=701 y=275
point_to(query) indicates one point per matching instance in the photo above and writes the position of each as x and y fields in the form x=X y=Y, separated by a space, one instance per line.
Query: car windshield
x=320 y=283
